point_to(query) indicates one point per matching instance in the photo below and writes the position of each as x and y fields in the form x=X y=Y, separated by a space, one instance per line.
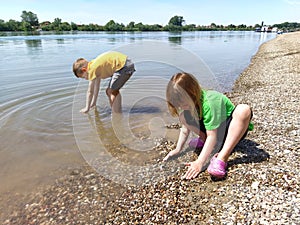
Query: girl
x=212 y=116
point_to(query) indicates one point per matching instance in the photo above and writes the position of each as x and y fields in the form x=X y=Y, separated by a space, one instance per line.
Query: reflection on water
x=176 y=40
x=130 y=138
x=175 y=37
x=60 y=41
x=144 y=109
x=37 y=94
x=33 y=43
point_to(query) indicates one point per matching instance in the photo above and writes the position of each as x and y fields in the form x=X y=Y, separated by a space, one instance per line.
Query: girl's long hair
x=184 y=88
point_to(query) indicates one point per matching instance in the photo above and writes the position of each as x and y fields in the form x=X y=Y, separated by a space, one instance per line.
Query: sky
x=199 y=12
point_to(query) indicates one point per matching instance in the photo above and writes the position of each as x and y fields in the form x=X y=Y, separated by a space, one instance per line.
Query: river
x=42 y=131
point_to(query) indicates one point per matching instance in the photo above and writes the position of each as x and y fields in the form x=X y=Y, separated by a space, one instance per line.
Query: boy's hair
x=77 y=66
x=184 y=87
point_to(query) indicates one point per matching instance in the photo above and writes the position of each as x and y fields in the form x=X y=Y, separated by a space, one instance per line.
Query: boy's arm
x=89 y=96
x=96 y=91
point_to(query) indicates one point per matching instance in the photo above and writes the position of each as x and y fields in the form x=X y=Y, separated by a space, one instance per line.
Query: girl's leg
x=115 y=100
x=239 y=124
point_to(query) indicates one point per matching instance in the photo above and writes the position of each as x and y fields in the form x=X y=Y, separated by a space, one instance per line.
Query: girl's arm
x=183 y=135
x=196 y=130
x=209 y=145
x=196 y=167
x=96 y=92
x=89 y=96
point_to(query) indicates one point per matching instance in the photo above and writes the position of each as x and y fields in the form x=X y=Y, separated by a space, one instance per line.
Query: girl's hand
x=193 y=170
x=171 y=154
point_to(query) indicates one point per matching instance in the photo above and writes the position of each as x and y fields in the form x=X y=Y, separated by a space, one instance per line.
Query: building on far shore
x=266 y=28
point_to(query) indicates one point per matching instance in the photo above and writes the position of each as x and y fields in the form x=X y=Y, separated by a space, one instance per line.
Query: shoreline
x=263 y=183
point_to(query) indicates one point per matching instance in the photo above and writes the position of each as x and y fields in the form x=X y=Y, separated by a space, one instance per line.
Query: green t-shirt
x=216 y=107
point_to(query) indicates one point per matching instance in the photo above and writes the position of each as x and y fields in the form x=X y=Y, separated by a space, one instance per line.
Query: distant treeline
x=30 y=22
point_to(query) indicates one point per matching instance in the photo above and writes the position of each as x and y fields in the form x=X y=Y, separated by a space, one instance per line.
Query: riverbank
x=263 y=183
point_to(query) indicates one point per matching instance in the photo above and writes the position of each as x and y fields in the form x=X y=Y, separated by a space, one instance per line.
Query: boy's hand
x=84 y=110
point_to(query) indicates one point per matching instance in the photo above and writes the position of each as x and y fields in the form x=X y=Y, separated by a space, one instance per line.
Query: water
x=40 y=97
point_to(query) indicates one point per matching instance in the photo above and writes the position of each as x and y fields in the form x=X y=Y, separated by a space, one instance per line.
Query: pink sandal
x=196 y=143
x=217 y=168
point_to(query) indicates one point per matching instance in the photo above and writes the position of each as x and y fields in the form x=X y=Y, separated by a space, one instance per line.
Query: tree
x=242 y=26
x=231 y=27
x=189 y=27
x=113 y=26
x=13 y=25
x=56 y=25
x=74 y=26
x=29 y=20
x=3 y=25
x=176 y=21
x=175 y=24
x=213 y=25
x=26 y=26
x=140 y=26
x=46 y=26
x=65 y=26
x=130 y=26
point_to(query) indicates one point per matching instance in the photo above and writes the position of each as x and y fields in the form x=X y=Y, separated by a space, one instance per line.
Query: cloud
x=293 y=2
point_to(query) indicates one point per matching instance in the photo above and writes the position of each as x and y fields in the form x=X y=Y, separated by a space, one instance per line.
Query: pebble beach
x=263 y=181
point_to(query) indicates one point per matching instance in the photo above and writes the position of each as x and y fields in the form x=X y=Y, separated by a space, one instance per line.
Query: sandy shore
x=263 y=182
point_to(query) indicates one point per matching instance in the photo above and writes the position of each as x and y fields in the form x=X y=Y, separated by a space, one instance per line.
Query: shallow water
x=40 y=97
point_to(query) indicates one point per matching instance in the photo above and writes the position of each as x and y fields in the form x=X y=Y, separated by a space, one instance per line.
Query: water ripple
x=39 y=113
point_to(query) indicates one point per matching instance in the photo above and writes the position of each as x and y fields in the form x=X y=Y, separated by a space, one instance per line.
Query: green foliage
x=113 y=26
x=74 y=26
x=176 y=21
x=30 y=23
x=56 y=25
x=13 y=25
x=30 y=20
x=131 y=27
x=3 y=26
x=286 y=26
x=175 y=24
x=26 y=26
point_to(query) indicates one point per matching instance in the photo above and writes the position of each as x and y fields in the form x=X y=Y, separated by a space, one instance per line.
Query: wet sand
x=263 y=182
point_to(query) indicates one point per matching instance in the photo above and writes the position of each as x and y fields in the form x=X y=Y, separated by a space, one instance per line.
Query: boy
x=111 y=64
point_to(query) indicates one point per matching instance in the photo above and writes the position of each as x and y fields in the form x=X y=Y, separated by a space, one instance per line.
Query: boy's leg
x=117 y=81
x=115 y=100
x=238 y=126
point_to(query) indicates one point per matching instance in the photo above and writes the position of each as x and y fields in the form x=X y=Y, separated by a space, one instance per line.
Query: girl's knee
x=243 y=111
